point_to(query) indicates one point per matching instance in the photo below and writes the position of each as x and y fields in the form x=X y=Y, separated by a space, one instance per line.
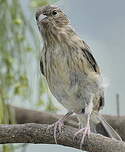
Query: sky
x=102 y=25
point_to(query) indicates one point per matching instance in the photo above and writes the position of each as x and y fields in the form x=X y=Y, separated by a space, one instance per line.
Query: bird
x=72 y=73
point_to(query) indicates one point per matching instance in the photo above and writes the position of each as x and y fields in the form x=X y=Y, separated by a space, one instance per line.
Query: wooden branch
x=31 y=116
x=38 y=133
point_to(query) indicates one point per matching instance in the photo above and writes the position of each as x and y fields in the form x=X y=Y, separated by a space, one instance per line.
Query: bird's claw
x=85 y=132
x=57 y=127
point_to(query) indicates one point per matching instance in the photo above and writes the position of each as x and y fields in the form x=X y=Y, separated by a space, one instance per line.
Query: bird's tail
x=104 y=128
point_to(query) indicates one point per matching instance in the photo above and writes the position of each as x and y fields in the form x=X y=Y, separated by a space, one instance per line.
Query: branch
x=31 y=116
x=38 y=133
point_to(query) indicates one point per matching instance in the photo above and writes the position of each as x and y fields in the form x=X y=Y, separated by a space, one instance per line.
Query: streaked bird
x=72 y=72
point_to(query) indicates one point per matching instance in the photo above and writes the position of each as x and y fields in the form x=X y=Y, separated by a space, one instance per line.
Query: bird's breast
x=57 y=69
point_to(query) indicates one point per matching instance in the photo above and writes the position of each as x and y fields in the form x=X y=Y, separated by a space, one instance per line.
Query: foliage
x=38 y=3
x=18 y=45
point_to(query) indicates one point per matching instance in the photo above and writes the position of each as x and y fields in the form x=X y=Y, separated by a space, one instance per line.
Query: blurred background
x=100 y=23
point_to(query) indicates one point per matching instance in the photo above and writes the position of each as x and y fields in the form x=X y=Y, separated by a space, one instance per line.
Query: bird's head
x=53 y=25
x=50 y=17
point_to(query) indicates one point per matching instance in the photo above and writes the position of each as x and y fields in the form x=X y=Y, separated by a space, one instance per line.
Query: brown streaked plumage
x=71 y=71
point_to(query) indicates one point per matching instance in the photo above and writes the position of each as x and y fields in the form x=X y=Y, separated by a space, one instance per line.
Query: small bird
x=72 y=72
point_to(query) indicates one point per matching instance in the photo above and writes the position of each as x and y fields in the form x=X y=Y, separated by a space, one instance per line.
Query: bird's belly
x=73 y=90
x=60 y=85
x=67 y=97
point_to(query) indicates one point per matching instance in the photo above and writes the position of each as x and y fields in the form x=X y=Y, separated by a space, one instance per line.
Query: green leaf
x=20 y=37
x=38 y=3
x=40 y=102
x=18 y=21
x=29 y=49
x=50 y=106
x=52 y=1
x=1 y=111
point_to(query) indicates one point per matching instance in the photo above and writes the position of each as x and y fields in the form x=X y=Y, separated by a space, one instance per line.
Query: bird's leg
x=86 y=130
x=58 y=125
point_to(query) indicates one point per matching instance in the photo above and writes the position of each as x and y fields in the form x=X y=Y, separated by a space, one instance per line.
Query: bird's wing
x=95 y=68
x=41 y=66
x=90 y=59
x=43 y=61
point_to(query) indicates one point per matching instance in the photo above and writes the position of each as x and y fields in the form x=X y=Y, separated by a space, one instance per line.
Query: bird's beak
x=41 y=17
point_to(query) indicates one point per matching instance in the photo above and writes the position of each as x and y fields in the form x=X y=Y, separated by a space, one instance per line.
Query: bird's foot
x=57 y=127
x=85 y=132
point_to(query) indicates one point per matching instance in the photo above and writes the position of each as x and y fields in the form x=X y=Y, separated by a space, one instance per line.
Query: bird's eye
x=54 y=12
